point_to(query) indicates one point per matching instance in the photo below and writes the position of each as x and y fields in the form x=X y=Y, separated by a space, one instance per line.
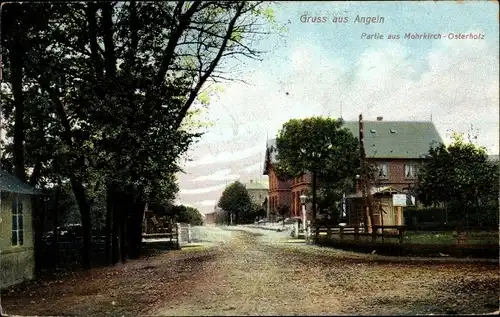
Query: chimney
x=380 y=118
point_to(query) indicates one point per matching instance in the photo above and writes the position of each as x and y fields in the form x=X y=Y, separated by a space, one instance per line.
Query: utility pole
x=364 y=179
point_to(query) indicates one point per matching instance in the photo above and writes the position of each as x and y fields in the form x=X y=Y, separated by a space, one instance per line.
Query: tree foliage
x=187 y=214
x=236 y=201
x=104 y=95
x=320 y=146
x=460 y=175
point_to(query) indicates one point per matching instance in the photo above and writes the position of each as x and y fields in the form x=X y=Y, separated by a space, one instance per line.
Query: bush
x=483 y=216
x=414 y=215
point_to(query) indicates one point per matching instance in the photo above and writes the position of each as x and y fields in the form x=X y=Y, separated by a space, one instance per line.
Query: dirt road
x=245 y=271
x=265 y=273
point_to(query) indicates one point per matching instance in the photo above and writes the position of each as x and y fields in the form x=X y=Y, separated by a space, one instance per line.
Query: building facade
x=396 y=148
x=210 y=218
x=279 y=192
x=258 y=191
x=298 y=188
x=17 y=254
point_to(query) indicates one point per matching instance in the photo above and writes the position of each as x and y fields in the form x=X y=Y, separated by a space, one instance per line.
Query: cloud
x=217 y=176
x=201 y=190
x=456 y=81
x=210 y=203
x=254 y=167
x=224 y=157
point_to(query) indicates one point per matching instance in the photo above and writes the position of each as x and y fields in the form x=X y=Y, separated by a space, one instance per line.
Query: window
x=383 y=171
x=17 y=222
x=411 y=170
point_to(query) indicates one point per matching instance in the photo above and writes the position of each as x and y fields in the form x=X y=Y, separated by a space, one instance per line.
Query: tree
x=236 y=201
x=330 y=193
x=187 y=214
x=283 y=211
x=119 y=81
x=320 y=146
x=221 y=217
x=459 y=175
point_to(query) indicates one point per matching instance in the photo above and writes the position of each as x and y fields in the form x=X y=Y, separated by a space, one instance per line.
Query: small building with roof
x=17 y=256
x=257 y=191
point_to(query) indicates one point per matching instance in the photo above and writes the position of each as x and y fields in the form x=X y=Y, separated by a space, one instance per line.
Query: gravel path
x=260 y=272
x=245 y=271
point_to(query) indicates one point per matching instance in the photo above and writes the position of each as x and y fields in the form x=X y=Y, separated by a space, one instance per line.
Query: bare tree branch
x=213 y=64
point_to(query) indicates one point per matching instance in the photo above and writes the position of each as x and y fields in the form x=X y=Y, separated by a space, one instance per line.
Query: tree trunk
x=109 y=224
x=123 y=237
x=84 y=208
x=134 y=229
x=39 y=212
x=115 y=249
x=314 y=196
x=55 y=225
x=370 y=211
x=16 y=60
x=122 y=204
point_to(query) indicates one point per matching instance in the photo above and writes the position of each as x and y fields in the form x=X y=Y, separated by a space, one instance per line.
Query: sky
x=332 y=69
x=321 y=68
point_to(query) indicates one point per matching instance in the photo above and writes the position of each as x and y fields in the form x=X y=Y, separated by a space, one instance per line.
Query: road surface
x=266 y=273
x=244 y=271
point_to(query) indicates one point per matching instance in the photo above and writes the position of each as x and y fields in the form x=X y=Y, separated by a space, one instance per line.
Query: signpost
x=399 y=201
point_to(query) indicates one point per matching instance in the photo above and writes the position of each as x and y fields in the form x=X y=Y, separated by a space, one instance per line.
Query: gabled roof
x=375 y=191
x=387 y=139
x=396 y=139
x=271 y=153
x=11 y=184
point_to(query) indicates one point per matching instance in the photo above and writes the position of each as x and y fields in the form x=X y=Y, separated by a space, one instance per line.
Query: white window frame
x=380 y=168
x=17 y=229
x=411 y=170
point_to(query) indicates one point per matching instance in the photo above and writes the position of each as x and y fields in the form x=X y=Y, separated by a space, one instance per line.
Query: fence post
x=356 y=233
x=178 y=226
x=328 y=232
x=401 y=232
x=401 y=235
x=189 y=233
x=308 y=230
x=296 y=229
x=341 y=233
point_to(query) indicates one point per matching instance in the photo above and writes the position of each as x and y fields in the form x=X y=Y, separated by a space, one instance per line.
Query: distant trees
x=322 y=147
x=221 y=217
x=460 y=176
x=187 y=214
x=236 y=201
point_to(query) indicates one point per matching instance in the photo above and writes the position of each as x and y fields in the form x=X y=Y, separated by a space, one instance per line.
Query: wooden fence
x=380 y=233
x=395 y=239
x=180 y=235
x=69 y=247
